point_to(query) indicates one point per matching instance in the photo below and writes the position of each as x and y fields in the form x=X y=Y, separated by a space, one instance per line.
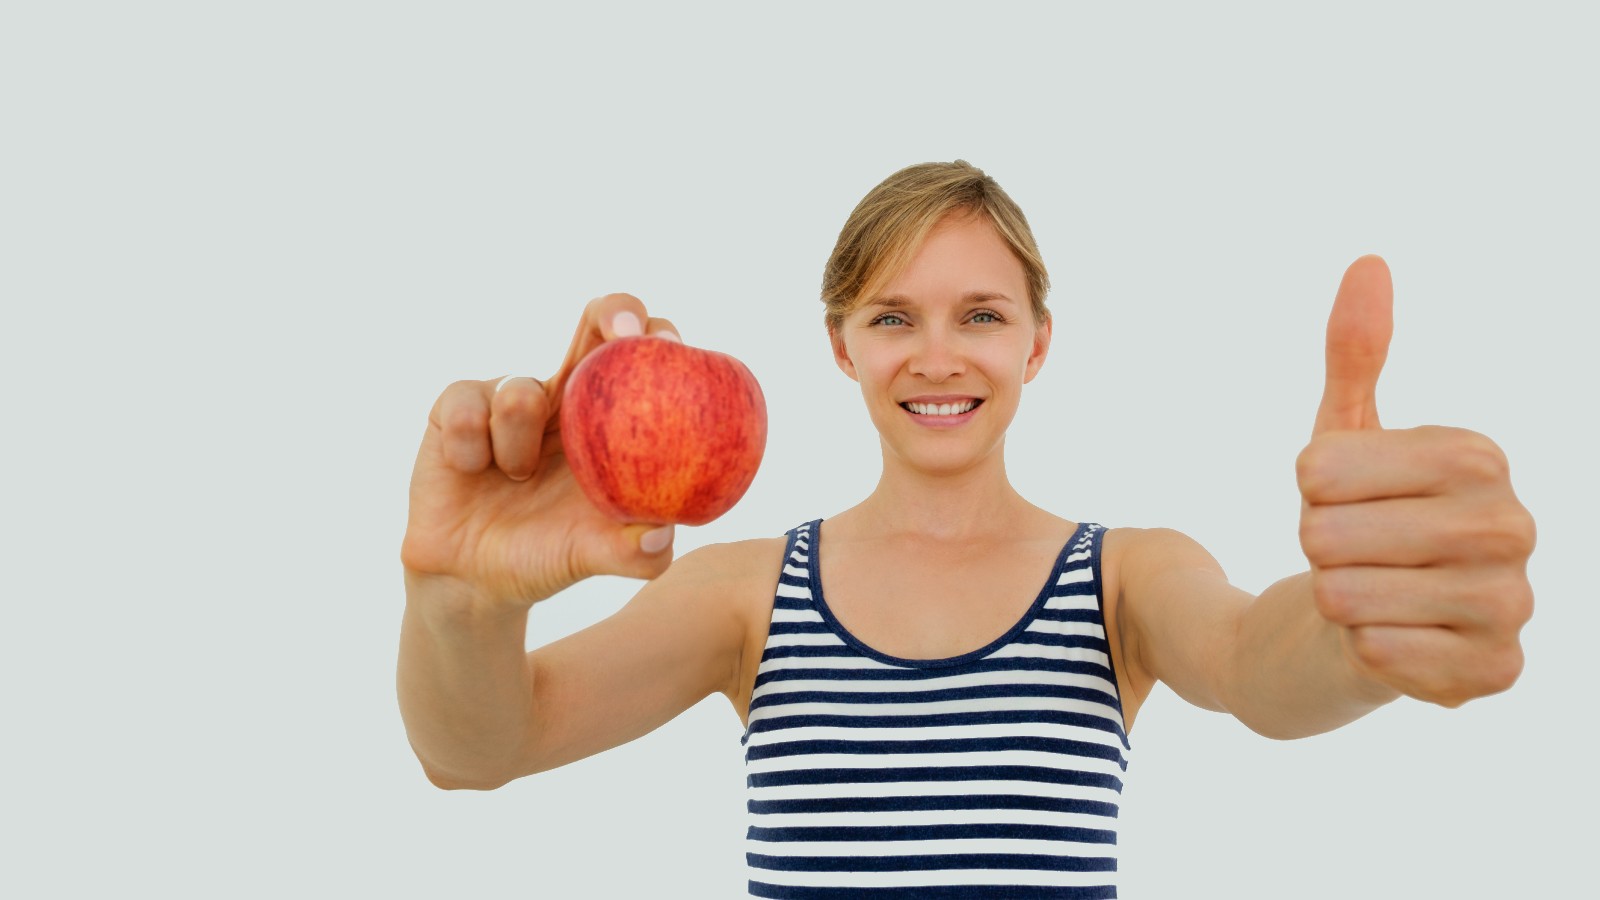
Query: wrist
x=451 y=603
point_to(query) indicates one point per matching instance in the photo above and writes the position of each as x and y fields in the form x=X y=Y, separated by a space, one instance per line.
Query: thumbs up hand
x=1418 y=546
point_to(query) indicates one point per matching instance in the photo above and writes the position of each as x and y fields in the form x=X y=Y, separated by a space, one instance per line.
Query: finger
x=1437 y=665
x=1348 y=466
x=632 y=551
x=1412 y=531
x=1467 y=599
x=663 y=329
x=461 y=415
x=518 y=412
x=1359 y=329
x=605 y=318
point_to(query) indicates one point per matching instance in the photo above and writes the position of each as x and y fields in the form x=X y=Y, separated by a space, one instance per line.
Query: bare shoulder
x=733 y=560
x=745 y=573
x=1149 y=551
x=1133 y=563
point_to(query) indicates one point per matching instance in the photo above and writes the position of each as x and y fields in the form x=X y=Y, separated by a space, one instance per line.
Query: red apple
x=657 y=431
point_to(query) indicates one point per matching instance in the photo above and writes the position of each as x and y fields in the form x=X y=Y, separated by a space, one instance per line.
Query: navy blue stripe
x=1022 y=637
x=933 y=774
x=988 y=717
x=974 y=892
x=1072 y=805
x=933 y=861
x=1027 y=637
x=945 y=745
x=1041 y=665
x=970 y=692
x=934 y=833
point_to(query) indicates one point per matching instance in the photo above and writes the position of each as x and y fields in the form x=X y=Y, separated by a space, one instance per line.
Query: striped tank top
x=996 y=773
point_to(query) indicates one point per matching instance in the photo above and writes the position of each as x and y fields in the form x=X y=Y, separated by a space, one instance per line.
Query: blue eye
x=884 y=319
x=993 y=317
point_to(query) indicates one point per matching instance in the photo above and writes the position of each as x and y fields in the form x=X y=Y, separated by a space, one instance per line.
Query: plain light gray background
x=245 y=247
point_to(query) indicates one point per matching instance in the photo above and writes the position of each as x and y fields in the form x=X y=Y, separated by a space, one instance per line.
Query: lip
x=942 y=421
x=940 y=398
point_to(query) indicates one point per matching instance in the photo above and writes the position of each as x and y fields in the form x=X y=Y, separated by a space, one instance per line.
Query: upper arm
x=680 y=639
x=1181 y=616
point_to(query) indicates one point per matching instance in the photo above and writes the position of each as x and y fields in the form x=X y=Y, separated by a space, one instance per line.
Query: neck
x=972 y=503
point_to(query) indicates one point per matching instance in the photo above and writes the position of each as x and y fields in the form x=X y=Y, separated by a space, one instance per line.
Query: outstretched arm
x=1418 y=548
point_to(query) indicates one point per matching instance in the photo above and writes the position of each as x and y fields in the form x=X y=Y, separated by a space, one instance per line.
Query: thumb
x=633 y=551
x=1359 y=329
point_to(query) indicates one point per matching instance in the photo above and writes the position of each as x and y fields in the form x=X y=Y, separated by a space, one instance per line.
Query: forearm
x=1293 y=678
x=465 y=689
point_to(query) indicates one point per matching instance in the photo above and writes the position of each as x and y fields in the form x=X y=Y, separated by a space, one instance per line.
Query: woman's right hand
x=494 y=508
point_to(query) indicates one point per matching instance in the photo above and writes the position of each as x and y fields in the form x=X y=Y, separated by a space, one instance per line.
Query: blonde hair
x=892 y=220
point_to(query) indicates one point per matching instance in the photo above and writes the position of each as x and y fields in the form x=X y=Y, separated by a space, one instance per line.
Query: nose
x=937 y=355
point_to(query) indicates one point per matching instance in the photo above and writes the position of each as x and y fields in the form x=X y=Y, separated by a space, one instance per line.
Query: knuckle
x=1509 y=606
x=1308 y=470
x=459 y=419
x=1505 y=669
x=619 y=301
x=1372 y=653
x=1316 y=539
x=1505 y=530
x=1476 y=457
x=1525 y=531
x=520 y=400
x=1330 y=592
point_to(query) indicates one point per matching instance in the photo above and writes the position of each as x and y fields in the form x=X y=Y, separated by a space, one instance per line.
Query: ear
x=1041 y=349
x=841 y=356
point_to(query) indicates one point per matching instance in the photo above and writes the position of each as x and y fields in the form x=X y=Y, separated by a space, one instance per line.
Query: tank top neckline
x=814 y=567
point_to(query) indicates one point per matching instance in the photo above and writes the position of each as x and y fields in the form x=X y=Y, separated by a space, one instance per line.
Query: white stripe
x=815 y=662
x=808 y=761
x=976 y=704
x=857 y=818
x=1050 y=626
x=819 y=639
x=1071 y=601
x=1056 y=730
x=965 y=679
x=1080 y=654
x=914 y=848
x=797 y=592
x=1075 y=576
x=780 y=614
x=936 y=789
x=935 y=878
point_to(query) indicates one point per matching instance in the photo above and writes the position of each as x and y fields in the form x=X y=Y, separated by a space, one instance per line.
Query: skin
x=1417 y=547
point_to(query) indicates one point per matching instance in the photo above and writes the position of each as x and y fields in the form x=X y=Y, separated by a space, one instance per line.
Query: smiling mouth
x=941 y=409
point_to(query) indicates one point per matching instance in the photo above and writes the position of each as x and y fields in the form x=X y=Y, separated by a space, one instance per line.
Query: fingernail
x=657 y=540
x=663 y=333
x=502 y=384
x=626 y=324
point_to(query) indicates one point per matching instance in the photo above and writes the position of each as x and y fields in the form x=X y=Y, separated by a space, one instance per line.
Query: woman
x=942 y=709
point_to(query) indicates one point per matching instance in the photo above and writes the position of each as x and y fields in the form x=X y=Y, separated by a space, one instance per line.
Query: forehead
x=961 y=259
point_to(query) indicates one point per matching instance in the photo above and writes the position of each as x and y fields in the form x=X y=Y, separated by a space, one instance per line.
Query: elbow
x=445 y=781
x=1274 y=733
x=452 y=783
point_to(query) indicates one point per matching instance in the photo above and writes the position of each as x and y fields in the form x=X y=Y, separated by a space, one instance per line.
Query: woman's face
x=942 y=354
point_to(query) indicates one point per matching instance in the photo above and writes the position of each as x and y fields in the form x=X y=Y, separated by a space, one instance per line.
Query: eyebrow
x=895 y=301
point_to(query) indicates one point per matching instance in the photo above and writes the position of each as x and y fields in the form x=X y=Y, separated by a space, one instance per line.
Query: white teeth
x=942 y=409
